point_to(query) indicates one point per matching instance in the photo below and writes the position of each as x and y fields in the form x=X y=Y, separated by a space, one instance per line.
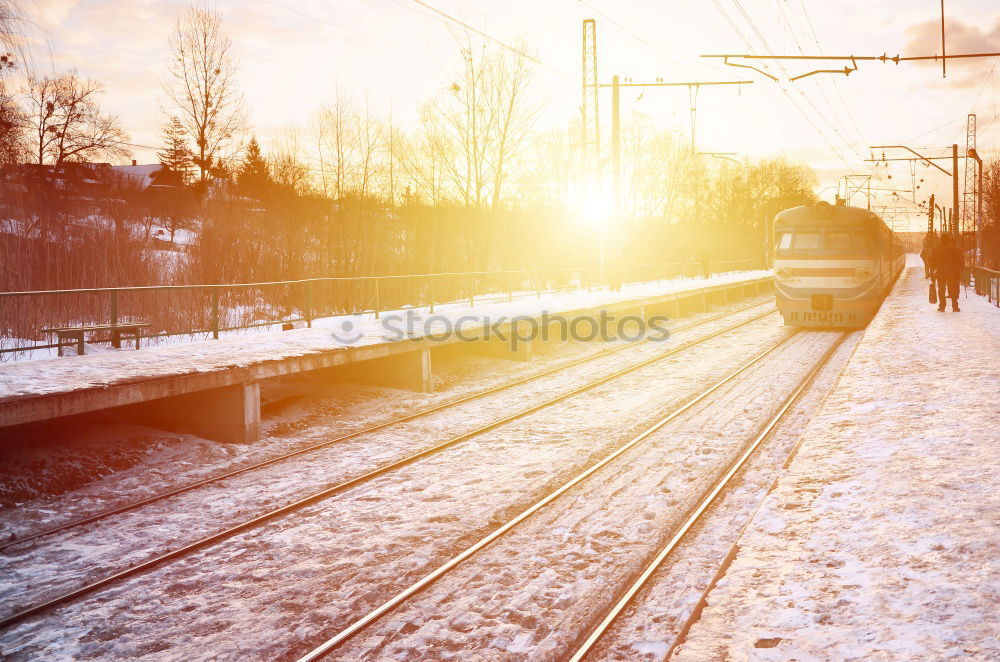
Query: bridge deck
x=880 y=539
x=231 y=367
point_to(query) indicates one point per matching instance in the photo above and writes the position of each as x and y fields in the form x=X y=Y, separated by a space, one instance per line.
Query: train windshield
x=813 y=242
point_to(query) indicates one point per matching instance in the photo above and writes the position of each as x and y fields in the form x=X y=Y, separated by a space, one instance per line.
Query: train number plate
x=823 y=317
x=822 y=302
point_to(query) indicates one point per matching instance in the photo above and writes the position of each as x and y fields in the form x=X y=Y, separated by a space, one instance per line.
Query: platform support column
x=227 y=414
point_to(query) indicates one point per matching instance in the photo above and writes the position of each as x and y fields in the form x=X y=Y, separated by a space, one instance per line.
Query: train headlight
x=784 y=272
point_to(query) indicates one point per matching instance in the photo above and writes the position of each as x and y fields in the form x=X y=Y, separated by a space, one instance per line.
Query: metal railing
x=211 y=310
x=987 y=284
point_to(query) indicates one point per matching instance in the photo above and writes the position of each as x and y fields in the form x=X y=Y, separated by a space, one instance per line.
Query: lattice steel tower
x=590 y=133
x=969 y=193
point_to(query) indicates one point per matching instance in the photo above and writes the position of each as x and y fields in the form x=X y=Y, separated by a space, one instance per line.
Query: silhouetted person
x=946 y=261
x=926 y=253
x=705 y=270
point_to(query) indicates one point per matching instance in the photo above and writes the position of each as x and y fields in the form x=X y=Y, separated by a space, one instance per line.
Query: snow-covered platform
x=881 y=541
x=212 y=388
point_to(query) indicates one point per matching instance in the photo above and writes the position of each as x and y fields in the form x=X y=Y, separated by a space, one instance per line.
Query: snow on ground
x=136 y=536
x=533 y=593
x=114 y=463
x=274 y=591
x=880 y=542
x=650 y=624
x=46 y=376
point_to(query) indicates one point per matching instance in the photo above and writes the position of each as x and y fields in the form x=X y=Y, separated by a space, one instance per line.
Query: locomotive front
x=830 y=265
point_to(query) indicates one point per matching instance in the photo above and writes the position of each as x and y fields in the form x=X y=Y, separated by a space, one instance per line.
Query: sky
x=294 y=56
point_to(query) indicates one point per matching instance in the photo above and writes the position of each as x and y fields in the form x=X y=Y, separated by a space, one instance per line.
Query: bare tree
x=366 y=139
x=516 y=115
x=12 y=122
x=990 y=229
x=287 y=168
x=336 y=144
x=477 y=128
x=390 y=146
x=202 y=85
x=66 y=122
x=13 y=53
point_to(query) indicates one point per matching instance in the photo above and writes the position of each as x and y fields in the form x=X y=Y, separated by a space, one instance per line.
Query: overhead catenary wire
x=742 y=36
x=457 y=21
x=763 y=40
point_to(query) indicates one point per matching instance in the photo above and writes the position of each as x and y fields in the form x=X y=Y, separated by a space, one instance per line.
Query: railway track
x=186 y=550
x=478 y=395
x=360 y=624
x=698 y=513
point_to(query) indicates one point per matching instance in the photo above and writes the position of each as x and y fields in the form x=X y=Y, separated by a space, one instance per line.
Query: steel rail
x=702 y=507
x=88 y=519
x=260 y=520
x=393 y=602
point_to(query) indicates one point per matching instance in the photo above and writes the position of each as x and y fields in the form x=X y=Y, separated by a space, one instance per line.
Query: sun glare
x=596 y=208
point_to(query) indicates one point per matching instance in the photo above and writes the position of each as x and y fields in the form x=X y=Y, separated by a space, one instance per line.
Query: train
x=833 y=264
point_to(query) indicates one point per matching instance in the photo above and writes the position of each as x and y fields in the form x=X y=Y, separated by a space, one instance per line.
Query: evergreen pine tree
x=254 y=176
x=175 y=156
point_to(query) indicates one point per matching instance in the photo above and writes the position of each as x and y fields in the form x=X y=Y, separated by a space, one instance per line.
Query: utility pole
x=979 y=207
x=590 y=131
x=692 y=94
x=850 y=191
x=693 y=106
x=616 y=146
x=969 y=186
x=954 y=187
x=944 y=58
x=930 y=215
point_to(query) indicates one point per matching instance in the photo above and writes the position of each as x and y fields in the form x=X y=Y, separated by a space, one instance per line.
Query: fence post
x=309 y=304
x=116 y=339
x=431 y=277
x=510 y=286
x=538 y=283
x=215 y=313
x=376 y=297
x=472 y=292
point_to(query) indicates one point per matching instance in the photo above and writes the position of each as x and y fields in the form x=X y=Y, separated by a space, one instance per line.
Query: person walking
x=946 y=265
x=926 y=252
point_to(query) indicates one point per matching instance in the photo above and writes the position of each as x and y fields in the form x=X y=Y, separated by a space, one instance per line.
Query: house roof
x=141 y=173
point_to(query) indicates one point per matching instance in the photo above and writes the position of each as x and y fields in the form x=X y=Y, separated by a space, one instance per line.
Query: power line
x=666 y=52
x=484 y=35
x=822 y=116
x=791 y=99
x=836 y=82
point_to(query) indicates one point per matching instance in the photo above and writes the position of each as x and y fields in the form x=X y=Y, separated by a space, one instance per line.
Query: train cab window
x=805 y=241
x=785 y=241
x=839 y=242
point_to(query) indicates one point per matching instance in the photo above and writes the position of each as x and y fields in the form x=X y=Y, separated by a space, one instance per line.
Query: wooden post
x=309 y=304
x=376 y=298
x=215 y=313
x=116 y=338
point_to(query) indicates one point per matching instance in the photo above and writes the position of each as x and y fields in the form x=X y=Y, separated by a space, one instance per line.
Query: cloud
x=925 y=39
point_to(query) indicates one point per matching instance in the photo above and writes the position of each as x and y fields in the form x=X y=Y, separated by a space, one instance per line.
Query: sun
x=596 y=207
